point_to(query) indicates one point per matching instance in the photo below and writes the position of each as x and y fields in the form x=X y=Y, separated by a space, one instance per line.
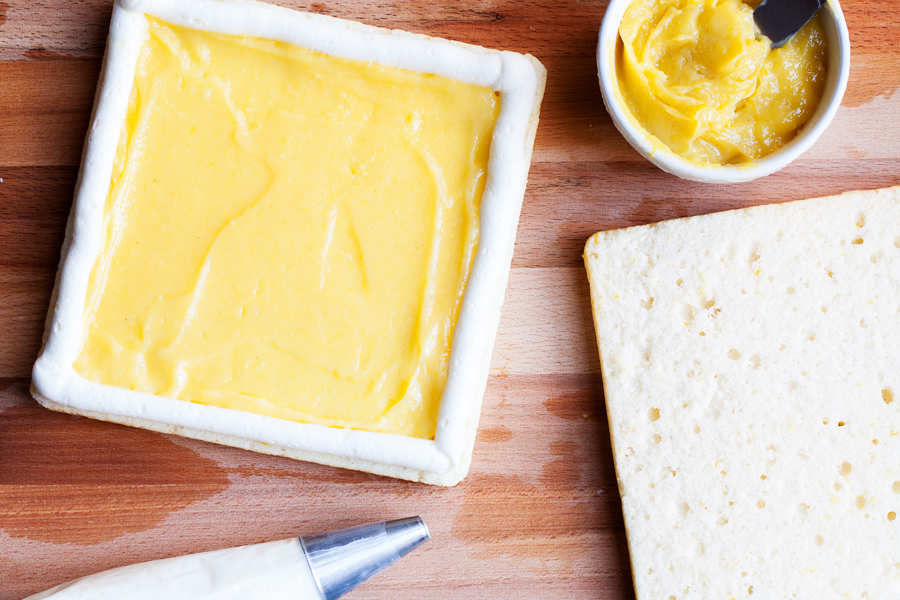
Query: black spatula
x=779 y=20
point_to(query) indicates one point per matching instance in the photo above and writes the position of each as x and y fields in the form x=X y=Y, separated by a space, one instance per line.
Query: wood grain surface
x=539 y=514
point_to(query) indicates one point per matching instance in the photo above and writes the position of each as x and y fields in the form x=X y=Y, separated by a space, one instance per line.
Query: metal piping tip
x=341 y=560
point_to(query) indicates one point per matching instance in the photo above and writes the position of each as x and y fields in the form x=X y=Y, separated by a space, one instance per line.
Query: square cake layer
x=292 y=234
x=751 y=368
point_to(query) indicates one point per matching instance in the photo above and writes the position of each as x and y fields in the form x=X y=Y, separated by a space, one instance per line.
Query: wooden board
x=539 y=515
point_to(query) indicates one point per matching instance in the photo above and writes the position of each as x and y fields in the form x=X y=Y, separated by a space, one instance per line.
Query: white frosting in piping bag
x=274 y=571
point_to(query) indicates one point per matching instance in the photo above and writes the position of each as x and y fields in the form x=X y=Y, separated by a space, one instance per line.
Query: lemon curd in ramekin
x=695 y=74
x=694 y=89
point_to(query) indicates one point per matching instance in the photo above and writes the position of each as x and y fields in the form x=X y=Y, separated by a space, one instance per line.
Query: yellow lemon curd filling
x=287 y=233
x=695 y=75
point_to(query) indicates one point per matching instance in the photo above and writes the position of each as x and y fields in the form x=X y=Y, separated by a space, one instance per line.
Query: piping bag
x=324 y=566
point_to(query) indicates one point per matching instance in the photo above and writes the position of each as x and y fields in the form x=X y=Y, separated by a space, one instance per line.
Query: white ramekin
x=656 y=152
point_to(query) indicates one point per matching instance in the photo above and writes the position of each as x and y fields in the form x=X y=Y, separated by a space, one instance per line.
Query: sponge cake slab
x=751 y=368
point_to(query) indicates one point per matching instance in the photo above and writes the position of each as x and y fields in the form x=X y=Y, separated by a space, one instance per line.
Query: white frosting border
x=509 y=73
